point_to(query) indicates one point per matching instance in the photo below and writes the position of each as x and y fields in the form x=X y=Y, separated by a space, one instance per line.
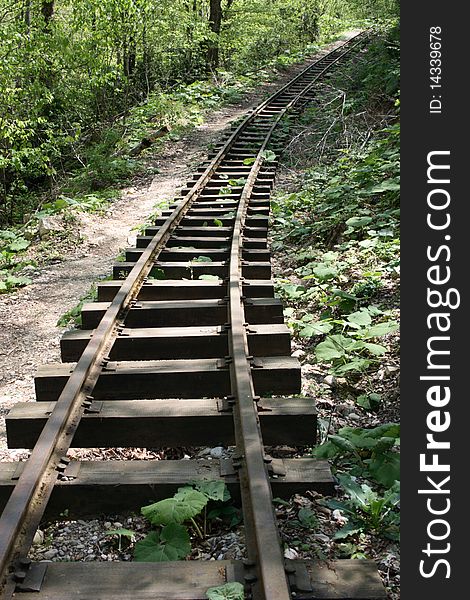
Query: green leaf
x=358 y=494
x=202 y=259
x=375 y=349
x=380 y=329
x=325 y=272
x=357 y=222
x=347 y=530
x=214 y=490
x=125 y=532
x=343 y=444
x=249 y=161
x=385 y=468
x=19 y=244
x=326 y=450
x=356 y=364
x=185 y=505
x=335 y=346
x=317 y=328
x=229 y=591
x=389 y=185
x=218 y=223
x=209 y=278
x=369 y=401
x=172 y=543
x=361 y=318
x=268 y=156
x=13 y=281
x=307 y=518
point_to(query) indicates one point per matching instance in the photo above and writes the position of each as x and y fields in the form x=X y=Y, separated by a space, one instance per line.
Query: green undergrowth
x=73 y=317
x=337 y=238
x=98 y=169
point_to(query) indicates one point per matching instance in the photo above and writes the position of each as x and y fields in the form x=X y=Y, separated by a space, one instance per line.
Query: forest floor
x=29 y=335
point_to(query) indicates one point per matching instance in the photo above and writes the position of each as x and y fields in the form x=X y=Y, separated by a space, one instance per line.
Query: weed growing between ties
x=193 y=513
x=336 y=244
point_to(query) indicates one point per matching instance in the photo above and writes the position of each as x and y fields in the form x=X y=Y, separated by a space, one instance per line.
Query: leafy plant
x=369 y=453
x=11 y=282
x=122 y=533
x=229 y=591
x=171 y=541
x=74 y=316
x=366 y=510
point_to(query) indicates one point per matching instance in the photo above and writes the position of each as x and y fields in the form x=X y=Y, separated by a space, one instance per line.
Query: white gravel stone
x=38 y=537
x=217 y=452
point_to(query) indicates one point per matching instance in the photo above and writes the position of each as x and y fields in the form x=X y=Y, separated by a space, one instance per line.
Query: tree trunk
x=215 y=24
x=47 y=9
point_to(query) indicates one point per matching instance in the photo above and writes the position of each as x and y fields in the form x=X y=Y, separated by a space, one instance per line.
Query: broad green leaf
x=249 y=161
x=335 y=346
x=268 y=156
x=326 y=450
x=380 y=329
x=375 y=349
x=325 y=272
x=389 y=185
x=183 y=506
x=356 y=492
x=172 y=543
x=209 y=278
x=14 y=281
x=385 y=468
x=369 y=401
x=202 y=259
x=356 y=364
x=214 y=490
x=360 y=317
x=19 y=244
x=307 y=518
x=347 y=530
x=343 y=444
x=293 y=291
x=357 y=222
x=229 y=591
x=218 y=223
x=330 y=256
x=317 y=328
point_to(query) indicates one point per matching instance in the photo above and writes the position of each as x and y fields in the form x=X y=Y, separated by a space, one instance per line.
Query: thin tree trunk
x=215 y=24
x=47 y=10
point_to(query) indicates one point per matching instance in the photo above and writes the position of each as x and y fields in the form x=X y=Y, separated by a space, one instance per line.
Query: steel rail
x=28 y=500
x=265 y=556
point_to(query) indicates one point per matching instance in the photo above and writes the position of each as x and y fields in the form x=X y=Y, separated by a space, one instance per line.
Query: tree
x=215 y=24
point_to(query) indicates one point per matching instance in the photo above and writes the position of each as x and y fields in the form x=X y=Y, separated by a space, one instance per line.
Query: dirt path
x=29 y=336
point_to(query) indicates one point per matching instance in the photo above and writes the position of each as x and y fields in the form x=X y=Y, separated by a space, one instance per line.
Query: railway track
x=167 y=358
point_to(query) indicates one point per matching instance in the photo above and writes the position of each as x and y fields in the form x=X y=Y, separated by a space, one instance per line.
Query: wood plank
x=111 y=486
x=189 y=580
x=188 y=254
x=167 y=423
x=185 y=313
x=209 y=231
x=186 y=270
x=176 y=289
x=195 y=242
x=154 y=343
x=172 y=379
